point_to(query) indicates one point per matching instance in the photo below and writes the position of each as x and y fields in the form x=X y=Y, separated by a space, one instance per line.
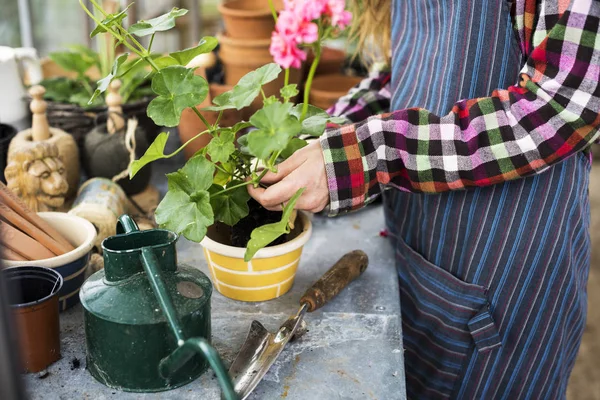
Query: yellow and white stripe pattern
x=256 y=280
x=268 y=275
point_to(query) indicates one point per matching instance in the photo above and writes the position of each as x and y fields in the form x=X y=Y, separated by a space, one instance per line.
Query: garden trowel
x=261 y=348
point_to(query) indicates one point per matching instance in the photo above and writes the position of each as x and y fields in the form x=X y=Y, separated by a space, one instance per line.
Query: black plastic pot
x=33 y=297
x=7 y=133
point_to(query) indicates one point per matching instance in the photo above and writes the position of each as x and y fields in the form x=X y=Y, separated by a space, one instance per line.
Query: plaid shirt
x=549 y=115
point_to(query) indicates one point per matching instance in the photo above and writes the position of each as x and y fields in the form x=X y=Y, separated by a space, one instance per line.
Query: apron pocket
x=443 y=319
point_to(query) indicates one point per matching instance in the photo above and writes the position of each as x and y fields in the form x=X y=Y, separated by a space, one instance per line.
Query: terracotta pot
x=249 y=19
x=327 y=89
x=7 y=133
x=331 y=61
x=34 y=302
x=268 y=275
x=190 y=125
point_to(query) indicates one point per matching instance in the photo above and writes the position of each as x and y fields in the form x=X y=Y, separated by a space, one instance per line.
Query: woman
x=492 y=278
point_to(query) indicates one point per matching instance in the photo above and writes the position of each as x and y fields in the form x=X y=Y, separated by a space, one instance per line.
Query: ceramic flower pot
x=331 y=61
x=72 y=265
x=248 y=19
x=33 y=297
x=190 y=125
x=7 y=133
x=267 y=276
x=106 y=156
x=327 y=89
x=241 y=56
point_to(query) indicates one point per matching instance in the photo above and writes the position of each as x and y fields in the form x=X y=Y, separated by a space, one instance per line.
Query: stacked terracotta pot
x=246 y=40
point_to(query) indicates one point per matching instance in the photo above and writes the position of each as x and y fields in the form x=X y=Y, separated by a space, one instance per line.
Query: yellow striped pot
x=268 y=275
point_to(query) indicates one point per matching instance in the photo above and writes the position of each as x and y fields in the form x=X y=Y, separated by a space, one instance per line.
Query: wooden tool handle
x=347 y=269
x=11 y=200
x=40 y=130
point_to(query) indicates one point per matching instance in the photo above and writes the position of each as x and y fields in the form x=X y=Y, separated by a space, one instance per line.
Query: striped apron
x=492 y=280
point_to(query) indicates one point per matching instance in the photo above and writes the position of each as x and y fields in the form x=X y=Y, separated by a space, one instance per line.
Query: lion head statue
x=38 y=176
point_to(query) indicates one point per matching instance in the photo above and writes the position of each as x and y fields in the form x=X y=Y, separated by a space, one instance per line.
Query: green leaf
x=240 y=125
x=275 y=128
x=293 y=145
x=103 y=83
x=154 y=152
x=315 y=120
x=270 y=100
x=230 y=206
x=110 y=20
x=243 y=142
x=206 y=45
x=289 y=91
x=186 y=214
x=177 y=89
x=221 y=178
x=221 y=147
x=263 y=235
x=72 y=61
x=158 y=24
x=165 y=61
x=196 y=174
x=244 y=93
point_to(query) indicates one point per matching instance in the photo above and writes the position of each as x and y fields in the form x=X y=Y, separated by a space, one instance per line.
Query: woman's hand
x=304 y=169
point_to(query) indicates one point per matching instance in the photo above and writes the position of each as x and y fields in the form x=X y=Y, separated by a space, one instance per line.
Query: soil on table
x=258 y=216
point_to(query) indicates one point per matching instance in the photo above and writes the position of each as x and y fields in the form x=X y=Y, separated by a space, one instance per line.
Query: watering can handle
x=126 y=224
x=186 y=349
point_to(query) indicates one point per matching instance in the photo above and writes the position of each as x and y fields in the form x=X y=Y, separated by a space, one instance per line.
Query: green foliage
x=158 y=24
x=177 y=88
x=275 y=128
x=212 y=185
x=103 y=83
x=263 y=235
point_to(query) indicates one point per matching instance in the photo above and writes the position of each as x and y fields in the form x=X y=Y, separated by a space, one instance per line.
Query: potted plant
x=71 y=81
x=207 y=200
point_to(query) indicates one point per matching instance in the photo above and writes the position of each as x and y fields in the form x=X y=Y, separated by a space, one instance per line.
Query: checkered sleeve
x=370 y=97
x=552 y=113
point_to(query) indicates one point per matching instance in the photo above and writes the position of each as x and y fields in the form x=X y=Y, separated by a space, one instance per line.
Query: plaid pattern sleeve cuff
x=348 y=177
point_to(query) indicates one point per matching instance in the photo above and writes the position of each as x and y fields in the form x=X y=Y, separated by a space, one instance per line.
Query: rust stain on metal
x=344 y=374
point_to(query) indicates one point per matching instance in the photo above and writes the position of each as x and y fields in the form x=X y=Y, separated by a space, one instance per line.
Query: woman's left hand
x=304 y=169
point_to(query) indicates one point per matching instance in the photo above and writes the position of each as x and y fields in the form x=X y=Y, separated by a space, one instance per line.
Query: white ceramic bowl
x=72 y=265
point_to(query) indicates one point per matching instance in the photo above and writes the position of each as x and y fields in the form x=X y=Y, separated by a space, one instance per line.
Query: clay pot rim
x=226 y=10
x=59 y=261
x=225 y=39
x=329 y=77
x=267 y=252
x=36 y=268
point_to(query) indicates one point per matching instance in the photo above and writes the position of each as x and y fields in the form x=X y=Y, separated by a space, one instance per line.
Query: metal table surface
x=352 y=350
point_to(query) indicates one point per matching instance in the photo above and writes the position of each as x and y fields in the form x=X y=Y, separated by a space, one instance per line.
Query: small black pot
x=106 y=155
x=7 y=133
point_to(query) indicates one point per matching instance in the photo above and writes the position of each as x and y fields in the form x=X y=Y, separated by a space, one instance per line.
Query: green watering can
x=147 y=320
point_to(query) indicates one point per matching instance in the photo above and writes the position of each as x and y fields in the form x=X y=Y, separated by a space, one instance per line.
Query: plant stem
x=311 y=74
x=287 y=77
x=239 y=185
x=86 y=85
x=221 y=169
x=219 y=118
x=208 y=126
x=273 y=11
x=263 y=93
x=185 y=144
x=151 y=41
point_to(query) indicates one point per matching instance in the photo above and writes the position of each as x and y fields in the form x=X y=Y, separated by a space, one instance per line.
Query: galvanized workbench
x=352 y=350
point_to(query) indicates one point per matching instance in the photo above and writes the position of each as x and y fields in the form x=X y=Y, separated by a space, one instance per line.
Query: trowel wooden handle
x=347 y=269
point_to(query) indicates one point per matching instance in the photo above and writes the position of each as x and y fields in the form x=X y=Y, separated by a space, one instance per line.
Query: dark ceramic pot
x=7 y=133
x=106 y=155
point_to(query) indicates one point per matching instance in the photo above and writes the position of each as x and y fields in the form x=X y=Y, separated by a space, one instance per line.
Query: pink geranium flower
x=285 y=51
x=301 y=30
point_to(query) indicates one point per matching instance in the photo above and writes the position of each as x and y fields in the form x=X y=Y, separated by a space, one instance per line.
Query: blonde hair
x=371 y=29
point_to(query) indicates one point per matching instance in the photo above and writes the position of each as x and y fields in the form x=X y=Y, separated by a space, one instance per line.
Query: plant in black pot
x=70 y=82
x=7 y=133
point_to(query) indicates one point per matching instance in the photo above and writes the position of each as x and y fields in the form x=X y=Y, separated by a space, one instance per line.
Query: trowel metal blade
x=258 y=353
